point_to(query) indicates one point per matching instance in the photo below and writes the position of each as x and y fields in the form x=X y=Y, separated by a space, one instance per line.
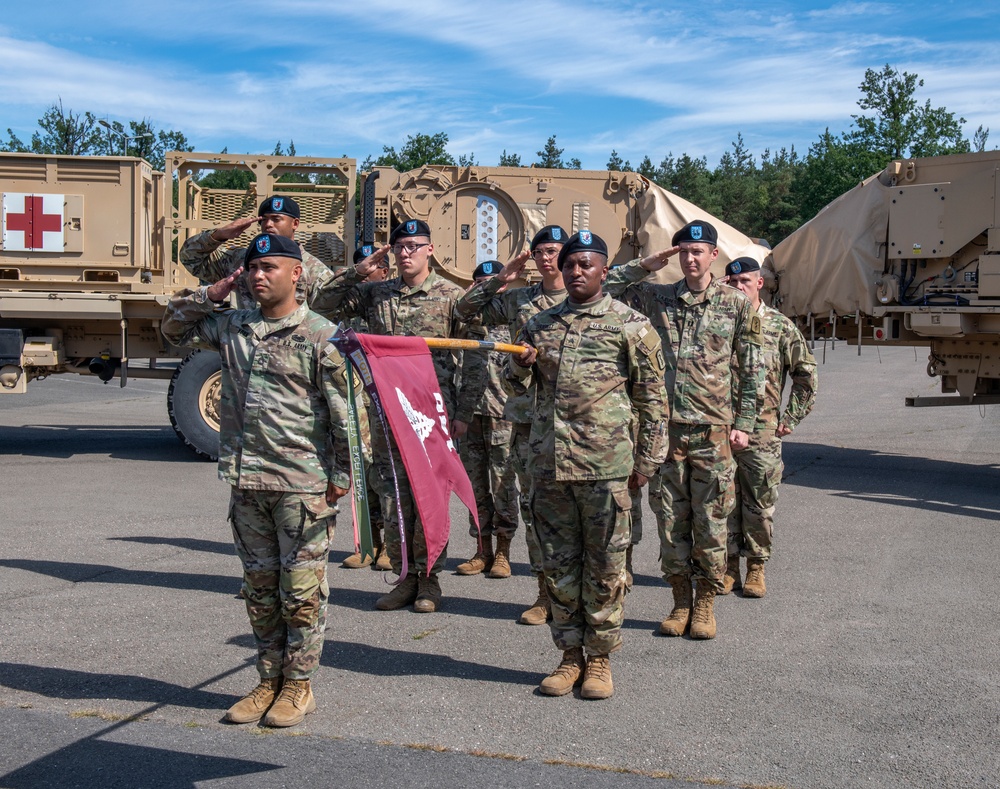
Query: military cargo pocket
x=622 y=536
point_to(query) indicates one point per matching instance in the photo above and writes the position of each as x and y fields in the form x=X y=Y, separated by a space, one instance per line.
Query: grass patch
x=511 y=757
x=422 y=746
x=426 y=633
x=104 y=715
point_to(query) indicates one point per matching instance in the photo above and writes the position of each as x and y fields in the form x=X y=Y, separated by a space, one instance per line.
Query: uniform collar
x=597 y=308
x=424 y=287
x=262 y=326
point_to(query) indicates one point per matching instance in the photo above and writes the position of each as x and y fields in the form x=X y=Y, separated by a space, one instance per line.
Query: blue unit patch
x=696 y=232
x=735 y=268
x=411 y=226
x=556 y=234
x=264 y=244
x=277 y=203
x=367 y=249
x=586 y=237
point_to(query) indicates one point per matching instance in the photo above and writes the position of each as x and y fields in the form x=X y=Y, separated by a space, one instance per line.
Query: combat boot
x=628 y=569
x=483 y=560
x=540 y=611
x=253 y=706
x=754 y=585
x=356 y=562
x=401 y=596
x=293 y=704
x=428 y=594
x=680 y=616
x=703 y=615
x=382 y=560
x=567 y=675
x=501 y=559
x=731 y=580
x=597 y=682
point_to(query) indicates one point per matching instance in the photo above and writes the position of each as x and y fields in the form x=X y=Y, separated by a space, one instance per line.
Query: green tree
x=734 y=183
x=509 y=160
x=62 y=132
x=646 y=168
x=551 y=156
x=688 y=178
x=616 y=163
x=419 y=149
x=467 y=161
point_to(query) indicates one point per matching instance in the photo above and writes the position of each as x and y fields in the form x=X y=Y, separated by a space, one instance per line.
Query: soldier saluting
x=592 y=360
x=703 y=324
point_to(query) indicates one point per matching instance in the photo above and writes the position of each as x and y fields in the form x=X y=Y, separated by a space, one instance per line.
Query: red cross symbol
x=33 y=222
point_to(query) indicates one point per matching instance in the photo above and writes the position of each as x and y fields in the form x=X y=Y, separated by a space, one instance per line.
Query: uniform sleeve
x=333 y=382
x=472 y=372
x=747 y=350
x=649 y=400
x=621 y=278
x=800 y=363
x=315 y=274
x=201 y=257
x=192 y=321
x=485 y=301
x=339 y=296
x=520 y=378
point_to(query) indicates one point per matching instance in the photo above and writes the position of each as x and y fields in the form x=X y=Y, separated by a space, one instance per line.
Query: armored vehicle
x=911 y=256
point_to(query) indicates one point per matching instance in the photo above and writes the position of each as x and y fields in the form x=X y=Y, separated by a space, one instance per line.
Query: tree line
x=766 y=197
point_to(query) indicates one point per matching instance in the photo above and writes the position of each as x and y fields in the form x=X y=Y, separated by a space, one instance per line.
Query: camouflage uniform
x=700 y=333
x=201 y=256
x=513 y=309
x=283 y=439
x=426 y=310
x=759 y=466
x=485 y=450
x=595 y=362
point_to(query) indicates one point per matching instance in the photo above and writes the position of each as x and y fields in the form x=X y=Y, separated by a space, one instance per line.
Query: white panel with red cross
x=32 y=223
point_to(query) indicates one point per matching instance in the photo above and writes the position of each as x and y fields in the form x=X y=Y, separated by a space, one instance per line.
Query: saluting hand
x=220 y=290
x=370 y=263
x=658 y=260
x=234 y=228
x=514 y=268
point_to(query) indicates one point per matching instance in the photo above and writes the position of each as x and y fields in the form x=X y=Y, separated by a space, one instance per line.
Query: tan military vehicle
x=911 y=256
x=89 y=258
x=90 y=247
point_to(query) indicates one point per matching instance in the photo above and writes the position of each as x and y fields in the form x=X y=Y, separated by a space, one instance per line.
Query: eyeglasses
x=409 y=249
x=545 y=252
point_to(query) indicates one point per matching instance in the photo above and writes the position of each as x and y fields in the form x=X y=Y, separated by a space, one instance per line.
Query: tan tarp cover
x=661 y=214
x=834 y=260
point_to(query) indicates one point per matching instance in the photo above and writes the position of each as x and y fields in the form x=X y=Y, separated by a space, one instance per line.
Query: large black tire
x=193 y=402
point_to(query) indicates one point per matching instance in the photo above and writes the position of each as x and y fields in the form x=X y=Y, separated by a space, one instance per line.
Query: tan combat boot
x=253 y=706
x=501 y=559
x=567 y=675
x=294 y=702
x=483 y=560
x=540 y=612
x=401 y=596
x=428 y=594
x=382 y=560
x=680 y=616
x=703 y=615
x=355 y=562
x=754 y=585
x=597 y=682
x=731 y=580
x=628 y=568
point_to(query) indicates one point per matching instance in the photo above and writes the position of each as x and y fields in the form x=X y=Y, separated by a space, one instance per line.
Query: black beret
x=698 y=230
x=584 y=241
x=741 y=266
x=363 y=251
x=487 y=268
x=550 y=234
x=268 y=245
x=279 y=205
x=409 y=228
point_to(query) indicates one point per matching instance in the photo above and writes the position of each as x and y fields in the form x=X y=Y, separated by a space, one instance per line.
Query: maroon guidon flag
x=399 y=376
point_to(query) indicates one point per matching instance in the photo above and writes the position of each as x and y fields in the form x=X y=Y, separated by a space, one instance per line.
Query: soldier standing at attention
x=702 y=324
x=278 y=216
x=355 y=561
x=283 y=449
x=759 y=467
x=485 y=451
x=419 y=303
x=592 y=360
x=489 y=302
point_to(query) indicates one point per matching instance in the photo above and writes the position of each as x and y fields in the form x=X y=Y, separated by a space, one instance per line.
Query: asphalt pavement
x=872 y=661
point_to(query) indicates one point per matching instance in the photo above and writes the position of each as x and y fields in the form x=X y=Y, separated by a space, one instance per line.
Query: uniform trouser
x=583 y=532
x=758 y=474
x=283 y=540
x=695 y=500
x=636 y=511
x=485 y=451
x=520 y=451
x=373 y=483
x=416 y=542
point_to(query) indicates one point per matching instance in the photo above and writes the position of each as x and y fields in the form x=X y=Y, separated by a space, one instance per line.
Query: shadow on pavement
x=190 y=543
x=124 y=442
x=79 y=572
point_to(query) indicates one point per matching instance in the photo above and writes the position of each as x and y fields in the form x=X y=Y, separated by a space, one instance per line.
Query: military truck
x=911 y=256
x=89 y=259
x=90 y=247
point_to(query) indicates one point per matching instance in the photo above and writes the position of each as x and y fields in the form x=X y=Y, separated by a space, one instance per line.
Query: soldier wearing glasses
x=421 y=303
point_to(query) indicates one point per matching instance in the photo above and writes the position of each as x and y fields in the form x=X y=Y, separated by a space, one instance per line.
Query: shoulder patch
x=754 y=325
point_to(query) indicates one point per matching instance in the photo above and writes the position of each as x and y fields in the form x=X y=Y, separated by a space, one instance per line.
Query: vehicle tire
x=193 y=402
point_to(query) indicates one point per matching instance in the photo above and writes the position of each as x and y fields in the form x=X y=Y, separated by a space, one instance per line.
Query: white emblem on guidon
x=421 y=423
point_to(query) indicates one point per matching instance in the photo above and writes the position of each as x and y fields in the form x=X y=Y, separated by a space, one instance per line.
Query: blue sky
x=343 y=78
